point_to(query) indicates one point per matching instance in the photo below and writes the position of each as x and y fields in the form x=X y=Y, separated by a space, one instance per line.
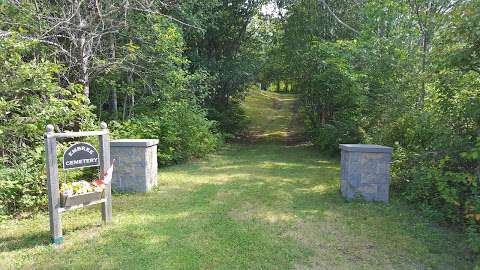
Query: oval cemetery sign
x=80 y=155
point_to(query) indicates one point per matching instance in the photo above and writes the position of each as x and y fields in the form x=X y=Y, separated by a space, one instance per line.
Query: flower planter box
x=79 y=199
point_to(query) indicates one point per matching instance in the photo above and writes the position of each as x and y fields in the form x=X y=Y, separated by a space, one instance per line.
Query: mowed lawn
x=266 y=205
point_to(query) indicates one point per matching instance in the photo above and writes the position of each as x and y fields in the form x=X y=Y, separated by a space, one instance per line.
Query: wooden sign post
x=55 y=207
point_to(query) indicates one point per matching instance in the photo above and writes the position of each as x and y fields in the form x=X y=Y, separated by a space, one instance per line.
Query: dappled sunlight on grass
x=315 y=189
x=264 y=206
x=269 y=205
x=273 y=134
x=283 y=165
x=249 y=212
x=142 y=218
x=322 y=162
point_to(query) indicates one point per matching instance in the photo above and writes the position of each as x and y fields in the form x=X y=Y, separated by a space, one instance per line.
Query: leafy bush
x=330 y=95
x=327 y=137
x=182 y=129
x=30 y=99
x=432 y=185
x=434 y=169
x=231 y=119
x=23 y=186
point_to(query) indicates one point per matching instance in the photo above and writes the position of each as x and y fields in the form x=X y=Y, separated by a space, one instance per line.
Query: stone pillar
x=365 y=171
x=135 y=168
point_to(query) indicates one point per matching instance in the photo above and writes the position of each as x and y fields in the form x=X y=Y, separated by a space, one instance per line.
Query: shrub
x=30 y=99
x=434 y=169
x=327 y=137
x=182 y=129
x=433 y=185
x=331 y=95
x=231 y=118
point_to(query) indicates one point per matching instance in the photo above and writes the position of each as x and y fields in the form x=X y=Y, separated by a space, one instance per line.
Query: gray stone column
x=365 y=171
x=135 y=167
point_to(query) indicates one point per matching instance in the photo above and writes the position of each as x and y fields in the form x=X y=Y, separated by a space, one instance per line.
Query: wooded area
x=398 y=73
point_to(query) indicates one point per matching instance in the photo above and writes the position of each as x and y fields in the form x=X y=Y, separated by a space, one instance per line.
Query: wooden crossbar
x=65 y=209
x=76 y=134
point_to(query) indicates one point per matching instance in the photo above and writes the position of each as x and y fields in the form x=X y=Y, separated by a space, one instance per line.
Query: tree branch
x=146 y=10
x=338 y=19
x=5 y=34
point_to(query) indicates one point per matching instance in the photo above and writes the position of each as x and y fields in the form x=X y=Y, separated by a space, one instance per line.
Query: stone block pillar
x=365 y=171
x=135 y=164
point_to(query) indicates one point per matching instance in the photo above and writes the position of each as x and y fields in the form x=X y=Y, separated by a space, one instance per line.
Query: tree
x=80 y=33
x=219 y=47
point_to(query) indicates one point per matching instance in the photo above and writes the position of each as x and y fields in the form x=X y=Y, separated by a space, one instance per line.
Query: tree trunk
x=125 y=102
x=132 y=104
x=113 y=94
x=99 y=107
x=84 y=80
x=125 y=99
x=421 y=100
x=114 y=103
x=82 y=48
x=84 y=62
x=323 y=114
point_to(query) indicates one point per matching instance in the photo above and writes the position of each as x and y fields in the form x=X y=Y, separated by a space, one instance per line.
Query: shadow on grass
x=238 y=210
x=39 y=236
x=25 y=241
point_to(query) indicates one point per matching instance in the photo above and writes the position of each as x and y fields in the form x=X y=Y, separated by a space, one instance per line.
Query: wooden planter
x=80 y=199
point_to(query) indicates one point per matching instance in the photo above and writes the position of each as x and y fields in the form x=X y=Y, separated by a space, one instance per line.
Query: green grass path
x=272 y=117
x=267 y=205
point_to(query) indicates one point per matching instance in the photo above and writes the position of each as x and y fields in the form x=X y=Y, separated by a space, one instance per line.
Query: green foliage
x=327 y=137
x=155 y=70
x=409 y=79
x=432 y=184
x=142 y=81
x=23 y=187
x=30 y=99
x=163 y=101
x=227 y=50
x=231 y=119
x=329 y=94
x=181 y=128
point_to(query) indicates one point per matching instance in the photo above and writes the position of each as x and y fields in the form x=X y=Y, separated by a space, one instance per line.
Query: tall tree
x=79 y=32
x=219 y=47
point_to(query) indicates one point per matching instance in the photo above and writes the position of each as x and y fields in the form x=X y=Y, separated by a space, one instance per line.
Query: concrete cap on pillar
x=133 y=142
x=366 y=148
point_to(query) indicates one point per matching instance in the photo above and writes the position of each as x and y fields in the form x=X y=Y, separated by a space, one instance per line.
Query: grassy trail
x=263 y=205
x=273 y=117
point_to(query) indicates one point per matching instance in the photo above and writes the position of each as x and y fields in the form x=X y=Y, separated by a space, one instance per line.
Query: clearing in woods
x=272 y=202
